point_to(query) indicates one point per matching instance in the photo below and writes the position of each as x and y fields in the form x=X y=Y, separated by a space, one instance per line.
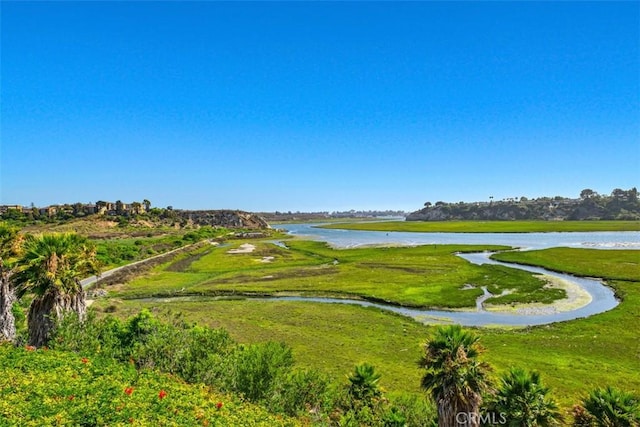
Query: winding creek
x=595 y=297
x=600 y=297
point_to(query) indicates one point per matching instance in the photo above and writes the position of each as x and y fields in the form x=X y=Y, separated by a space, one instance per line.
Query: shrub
x=416 y=410
x=302 y=392
x=253 y=370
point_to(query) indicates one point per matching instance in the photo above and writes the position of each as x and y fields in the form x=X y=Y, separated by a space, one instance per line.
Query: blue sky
x=317 y=106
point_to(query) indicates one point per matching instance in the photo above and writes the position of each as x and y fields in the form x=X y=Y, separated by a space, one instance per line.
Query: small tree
x=119 y=207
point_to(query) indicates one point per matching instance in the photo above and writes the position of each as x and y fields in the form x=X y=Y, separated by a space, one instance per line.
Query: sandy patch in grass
x=245 y=248
x=576 y=298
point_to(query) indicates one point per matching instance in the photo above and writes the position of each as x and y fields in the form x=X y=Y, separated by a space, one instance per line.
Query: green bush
x=302 y=392
x=416 y=410
x=253 y=370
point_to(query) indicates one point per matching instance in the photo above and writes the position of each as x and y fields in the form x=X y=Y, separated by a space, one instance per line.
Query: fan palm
x=523 y=400
x=9 y=246
x=51 y=268
x=454 y=375
x=611 y=407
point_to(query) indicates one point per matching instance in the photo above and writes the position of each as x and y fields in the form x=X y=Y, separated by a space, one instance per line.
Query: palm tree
x=455 y=377
x=51 y=268
x=610 y=407
x=523 y=400
x=9 y=246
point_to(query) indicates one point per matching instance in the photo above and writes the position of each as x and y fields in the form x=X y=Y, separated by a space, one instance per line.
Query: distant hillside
x=619 y=205
x=112 y=224
x=224 y=218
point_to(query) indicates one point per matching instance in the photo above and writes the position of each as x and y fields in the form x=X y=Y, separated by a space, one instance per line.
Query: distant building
x=7 y=208
x=49 y=210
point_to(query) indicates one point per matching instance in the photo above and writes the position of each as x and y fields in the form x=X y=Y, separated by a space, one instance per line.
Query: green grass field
x=423 y=276
x=573 y=357
x=489 y=226
x=614 y=264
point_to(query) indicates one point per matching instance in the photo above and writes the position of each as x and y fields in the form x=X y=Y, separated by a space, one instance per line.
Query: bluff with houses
x=619 y=205
x=120 y=211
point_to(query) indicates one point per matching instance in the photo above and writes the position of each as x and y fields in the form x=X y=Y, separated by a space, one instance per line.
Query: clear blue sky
x=317 y=106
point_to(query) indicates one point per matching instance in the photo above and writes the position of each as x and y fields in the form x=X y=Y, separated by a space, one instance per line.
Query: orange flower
x=219 y=405
x=84 y=360
x=162 y=394
x=72 y=397
x=128 y=391
x=29 y=348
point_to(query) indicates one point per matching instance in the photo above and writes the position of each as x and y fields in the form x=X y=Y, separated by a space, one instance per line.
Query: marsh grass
x=422 y=276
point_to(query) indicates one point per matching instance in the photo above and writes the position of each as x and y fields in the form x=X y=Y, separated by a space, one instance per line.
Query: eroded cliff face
x=225 y=218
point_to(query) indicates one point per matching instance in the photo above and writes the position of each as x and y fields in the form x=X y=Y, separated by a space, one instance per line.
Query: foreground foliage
x=146 y=372
x=608 y=407
x=64 y=388
x=523 y=400
x=262 y=373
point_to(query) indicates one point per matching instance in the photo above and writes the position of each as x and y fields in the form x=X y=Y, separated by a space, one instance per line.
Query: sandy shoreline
x=245 y=248
x=576 y=298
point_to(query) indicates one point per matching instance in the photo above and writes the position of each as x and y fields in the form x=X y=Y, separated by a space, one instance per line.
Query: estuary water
x=525 y=241
x=601 y=297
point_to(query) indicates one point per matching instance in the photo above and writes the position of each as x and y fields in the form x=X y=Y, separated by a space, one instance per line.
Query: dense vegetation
x=43 y=387
x=620 y=205
x=116 y=252
x=104 y=371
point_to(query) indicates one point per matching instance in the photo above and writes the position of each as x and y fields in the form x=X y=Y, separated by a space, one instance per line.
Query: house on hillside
x=7 y=208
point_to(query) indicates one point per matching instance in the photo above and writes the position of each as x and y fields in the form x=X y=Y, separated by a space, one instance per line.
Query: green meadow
x=489 y=226
x=573 y=357
x=423 y=276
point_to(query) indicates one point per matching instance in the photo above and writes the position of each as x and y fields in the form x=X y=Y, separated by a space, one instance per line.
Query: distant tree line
x=322 y=215
x=619 y=205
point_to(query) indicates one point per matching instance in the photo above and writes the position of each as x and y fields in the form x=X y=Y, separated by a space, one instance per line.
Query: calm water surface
x=355 y=238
